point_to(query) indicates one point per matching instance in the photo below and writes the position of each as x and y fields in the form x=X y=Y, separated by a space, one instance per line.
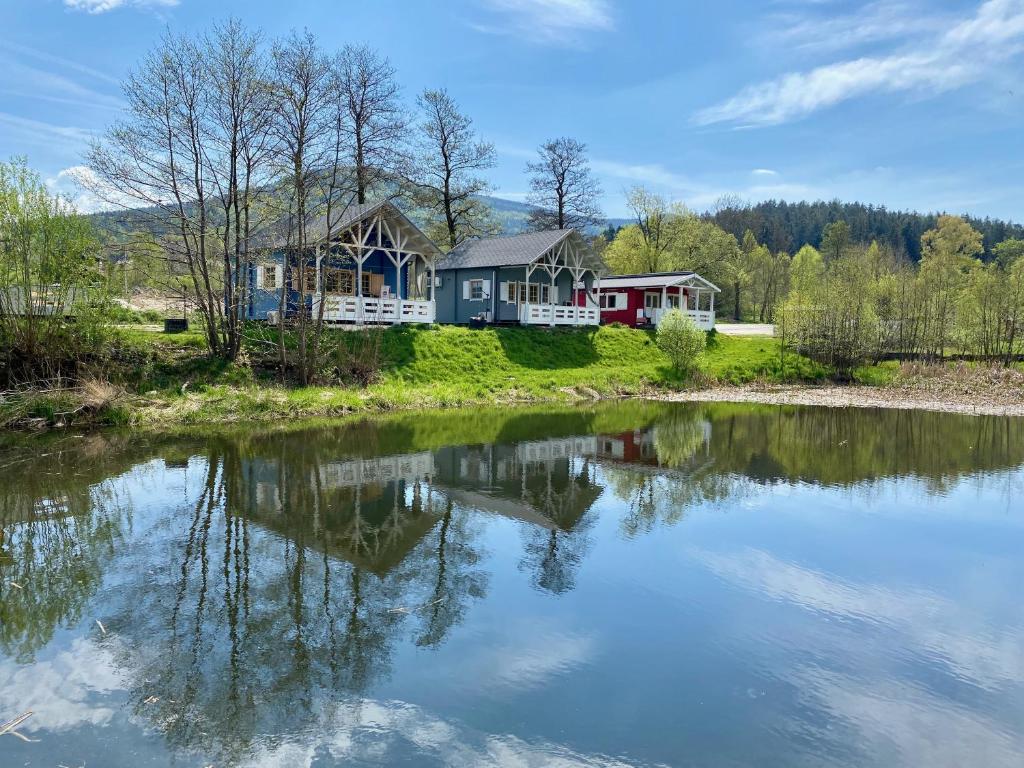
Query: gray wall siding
x=452 y=308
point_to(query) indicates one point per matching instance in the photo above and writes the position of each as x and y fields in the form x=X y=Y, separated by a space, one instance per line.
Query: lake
x=629 y=584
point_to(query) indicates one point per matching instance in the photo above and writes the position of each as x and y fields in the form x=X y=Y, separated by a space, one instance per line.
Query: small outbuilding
x=535 y=278
x=642 y=300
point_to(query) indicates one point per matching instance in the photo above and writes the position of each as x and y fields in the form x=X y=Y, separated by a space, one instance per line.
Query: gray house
x=536 y=278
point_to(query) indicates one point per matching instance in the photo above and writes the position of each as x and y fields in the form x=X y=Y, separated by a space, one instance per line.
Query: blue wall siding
x=263 y=301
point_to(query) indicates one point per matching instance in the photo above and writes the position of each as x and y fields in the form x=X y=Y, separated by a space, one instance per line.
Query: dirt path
x=861 y=397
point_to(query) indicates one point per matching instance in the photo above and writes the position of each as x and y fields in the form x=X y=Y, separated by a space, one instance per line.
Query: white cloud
x=396 y=727
x=764 y=172
x=65 y=691
x=102 y=6
x=86 y=192
x=550 y=22
x=909 y=724
x=929 y=65
x=872 y=23
x=47 y=134
x=930 y=625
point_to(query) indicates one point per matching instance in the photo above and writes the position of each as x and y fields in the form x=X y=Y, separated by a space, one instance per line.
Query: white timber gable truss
x=566 y=255
x=381 y=230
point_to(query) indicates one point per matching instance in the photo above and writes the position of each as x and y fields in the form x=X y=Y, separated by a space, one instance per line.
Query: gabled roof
x=316 y=228
x=509 y=251
x=656 y=280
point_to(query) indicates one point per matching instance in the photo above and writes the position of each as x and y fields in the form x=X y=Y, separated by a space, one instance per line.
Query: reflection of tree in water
x=293 y=582
x=57 y=528
x=562 y=490
x=661 y=472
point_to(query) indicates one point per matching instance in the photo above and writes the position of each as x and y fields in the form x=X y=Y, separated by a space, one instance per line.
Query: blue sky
x=905 y=103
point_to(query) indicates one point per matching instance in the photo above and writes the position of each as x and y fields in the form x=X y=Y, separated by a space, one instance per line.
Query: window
x=310 y=273
x=652 y=301
x=367 y=284
x=673 y=301
x=534 y=293
x=476 y=290
x=269 y=278
x=613 y=301
x=339 y=281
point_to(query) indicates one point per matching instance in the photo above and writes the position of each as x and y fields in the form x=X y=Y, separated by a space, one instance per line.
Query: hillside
x=786 y=226
x=511 y=215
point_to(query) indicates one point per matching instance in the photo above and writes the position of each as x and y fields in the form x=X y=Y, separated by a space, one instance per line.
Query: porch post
x=524 y=310
x=551 y=296
x=398 y=287
x=433 y=292
x=664 y=303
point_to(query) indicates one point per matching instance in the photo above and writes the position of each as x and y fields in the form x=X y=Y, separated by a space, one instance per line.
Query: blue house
x=369 y=264
x=536 y=278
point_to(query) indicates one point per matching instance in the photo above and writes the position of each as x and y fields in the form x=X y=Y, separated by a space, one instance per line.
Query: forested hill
x=786 y=226
x=511 y=215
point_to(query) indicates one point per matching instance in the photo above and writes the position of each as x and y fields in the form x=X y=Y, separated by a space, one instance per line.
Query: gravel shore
x=946 y=399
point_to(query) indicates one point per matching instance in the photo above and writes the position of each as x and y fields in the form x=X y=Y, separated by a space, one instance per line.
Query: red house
x=642 y=300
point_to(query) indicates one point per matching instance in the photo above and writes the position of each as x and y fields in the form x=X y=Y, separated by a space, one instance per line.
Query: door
x=652 y=303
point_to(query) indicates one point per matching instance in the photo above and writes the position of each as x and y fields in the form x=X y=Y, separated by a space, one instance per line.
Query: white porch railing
x=702 y=318
x=367 y=309
x=548 y=314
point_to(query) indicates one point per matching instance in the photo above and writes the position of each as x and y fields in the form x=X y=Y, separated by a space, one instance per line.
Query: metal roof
x=509 y=251
x=316 y=229
x=655 y=280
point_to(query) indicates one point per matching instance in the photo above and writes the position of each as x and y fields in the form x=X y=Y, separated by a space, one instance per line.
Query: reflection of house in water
x=636 y=446
x=371 y=512
x=666 y=445
x=548 y=483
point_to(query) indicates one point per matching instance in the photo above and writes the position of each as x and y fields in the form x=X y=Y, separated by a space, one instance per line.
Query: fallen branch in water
x=10 y=727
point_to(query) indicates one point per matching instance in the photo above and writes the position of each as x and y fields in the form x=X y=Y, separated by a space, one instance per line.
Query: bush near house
x=681 y=341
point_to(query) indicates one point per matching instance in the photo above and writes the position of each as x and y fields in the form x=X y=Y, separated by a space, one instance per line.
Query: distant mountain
x=511 y=214
x=786 y=226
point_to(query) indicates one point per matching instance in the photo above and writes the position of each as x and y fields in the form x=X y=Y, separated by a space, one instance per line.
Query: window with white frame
x=533 y=293
x=613 y=301
x=652 y=301
x=476 y=290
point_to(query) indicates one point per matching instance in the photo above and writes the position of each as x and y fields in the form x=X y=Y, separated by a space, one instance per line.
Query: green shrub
x=681 y=340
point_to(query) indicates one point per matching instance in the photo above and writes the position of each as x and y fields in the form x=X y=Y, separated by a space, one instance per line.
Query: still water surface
x=634 y=584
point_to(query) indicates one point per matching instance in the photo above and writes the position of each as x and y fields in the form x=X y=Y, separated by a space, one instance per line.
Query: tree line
x=783 y=226
x=846 y=300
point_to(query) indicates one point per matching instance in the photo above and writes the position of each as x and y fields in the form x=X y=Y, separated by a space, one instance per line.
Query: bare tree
x=157 y=159
x=304 y=127
x=241 y=114
x=373 y=117
x=443 y=173
x=192 y=155
x=562 y=187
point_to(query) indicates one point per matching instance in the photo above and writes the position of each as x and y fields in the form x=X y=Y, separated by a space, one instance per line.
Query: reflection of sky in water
x=597 y=609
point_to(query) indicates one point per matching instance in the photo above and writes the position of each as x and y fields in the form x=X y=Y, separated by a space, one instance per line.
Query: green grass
x=447 y=366
x=743 y=359
x=169 y=378
x=877 y=375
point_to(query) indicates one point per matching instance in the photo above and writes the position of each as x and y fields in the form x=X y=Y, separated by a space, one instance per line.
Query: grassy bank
x=169 y=379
